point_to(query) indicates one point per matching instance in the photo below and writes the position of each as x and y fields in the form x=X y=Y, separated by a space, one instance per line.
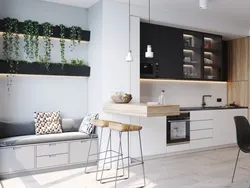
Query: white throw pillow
x=86 y=125
x=47 y=123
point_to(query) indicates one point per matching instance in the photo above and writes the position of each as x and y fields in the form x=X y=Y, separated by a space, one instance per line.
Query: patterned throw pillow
x=86 y=125
x=47 y=123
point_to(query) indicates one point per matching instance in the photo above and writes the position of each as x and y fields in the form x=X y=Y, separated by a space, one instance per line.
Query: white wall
x=45 y=93
x=43 y=11
x=38 y=93
x=95 y=58
x=186 y=94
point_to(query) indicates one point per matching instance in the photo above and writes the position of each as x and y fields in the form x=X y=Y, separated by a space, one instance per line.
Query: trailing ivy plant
x=31 y=39
x=36 y=39
x=10 y=47
x=62 y=43
x=28 y=28
x=11 y=42
x=75 y=36
x=47 y=33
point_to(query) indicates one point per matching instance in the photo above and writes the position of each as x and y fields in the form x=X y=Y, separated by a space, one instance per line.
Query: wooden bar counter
x=142 y=109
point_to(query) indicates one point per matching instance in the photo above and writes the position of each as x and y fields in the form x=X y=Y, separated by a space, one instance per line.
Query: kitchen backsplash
x=186 y=94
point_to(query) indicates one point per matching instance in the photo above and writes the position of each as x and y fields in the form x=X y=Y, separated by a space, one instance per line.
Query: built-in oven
x=178 y=128
x=149 y=70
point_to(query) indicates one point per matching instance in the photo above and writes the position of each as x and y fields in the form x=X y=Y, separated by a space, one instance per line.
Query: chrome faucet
x=203 y=99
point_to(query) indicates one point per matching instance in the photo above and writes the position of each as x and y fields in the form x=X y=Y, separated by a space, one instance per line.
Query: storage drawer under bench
x=52 y=160
x=52 y=149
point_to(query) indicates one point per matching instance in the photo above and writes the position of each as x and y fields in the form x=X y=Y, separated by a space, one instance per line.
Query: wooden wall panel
x=238 y=92
x=238 y=60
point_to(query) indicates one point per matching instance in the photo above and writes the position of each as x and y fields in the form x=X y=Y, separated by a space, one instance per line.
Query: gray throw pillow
x=86 y=125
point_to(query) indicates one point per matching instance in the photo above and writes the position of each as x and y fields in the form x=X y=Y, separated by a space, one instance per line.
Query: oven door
x=178 y=131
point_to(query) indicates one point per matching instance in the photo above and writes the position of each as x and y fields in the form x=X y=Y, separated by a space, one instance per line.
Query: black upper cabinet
x=181 y=54
x=166 y=44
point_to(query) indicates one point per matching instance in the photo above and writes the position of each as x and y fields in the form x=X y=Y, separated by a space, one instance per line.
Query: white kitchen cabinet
x=153 y=135
x=201 y=125
x=201 y=115
x=224 y=126
x=52 y=148
x=178 y=147
x=79 y=151
x=201 y=134
x=13 y=159
x=202 y=143
x=52 y=160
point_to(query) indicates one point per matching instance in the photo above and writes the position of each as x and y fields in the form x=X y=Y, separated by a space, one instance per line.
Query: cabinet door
x=170 y=52
x=167 y=45
x=224 y=126
x=79 y=151
x=15 y=159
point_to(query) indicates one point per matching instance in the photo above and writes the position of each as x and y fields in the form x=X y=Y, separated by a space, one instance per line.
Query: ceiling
x=230 y=9
x=77 y=3
x=225 y=12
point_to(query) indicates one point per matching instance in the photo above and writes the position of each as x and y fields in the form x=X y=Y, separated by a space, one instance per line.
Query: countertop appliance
x=178 y=128
x=149 y=70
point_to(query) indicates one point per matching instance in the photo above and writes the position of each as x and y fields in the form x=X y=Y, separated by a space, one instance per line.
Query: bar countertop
x=142 y=109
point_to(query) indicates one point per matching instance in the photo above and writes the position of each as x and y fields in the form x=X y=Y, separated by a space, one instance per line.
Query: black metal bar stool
x=102 y=124
x=121 y=128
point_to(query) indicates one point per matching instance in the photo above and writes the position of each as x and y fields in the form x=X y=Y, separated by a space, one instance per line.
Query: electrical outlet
x=219 y=100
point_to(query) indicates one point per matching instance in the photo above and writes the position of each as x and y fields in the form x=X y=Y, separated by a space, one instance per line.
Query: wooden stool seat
x=101 y=123
x=124 y=127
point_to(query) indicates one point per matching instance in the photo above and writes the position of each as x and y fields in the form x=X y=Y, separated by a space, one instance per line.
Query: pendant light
x=203 y=4
x=129 y=57
x=149 y=53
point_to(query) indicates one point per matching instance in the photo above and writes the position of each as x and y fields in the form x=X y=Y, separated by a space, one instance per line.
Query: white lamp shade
x=129 y=57
x=203 y=4
x=149 y=53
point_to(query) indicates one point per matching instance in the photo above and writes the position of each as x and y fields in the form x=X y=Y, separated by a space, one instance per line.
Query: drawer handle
x=52 y=156
x=16 y=148
x=52 y=144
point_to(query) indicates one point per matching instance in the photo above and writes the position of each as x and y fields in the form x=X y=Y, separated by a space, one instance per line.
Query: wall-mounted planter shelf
x=85 y=35
x=40 y=69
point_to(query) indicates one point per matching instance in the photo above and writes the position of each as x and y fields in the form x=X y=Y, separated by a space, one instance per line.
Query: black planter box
x=40 y=69
x=85 y=35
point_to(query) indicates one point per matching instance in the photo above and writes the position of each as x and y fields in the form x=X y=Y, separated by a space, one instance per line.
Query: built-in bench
x=22 y=152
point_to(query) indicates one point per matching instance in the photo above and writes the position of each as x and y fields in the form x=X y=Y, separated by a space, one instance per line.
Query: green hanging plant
x=28 y=28
x=75 y=36
x=79 y=35
x=16 y=38
x=47 y=33
x=10 y=47
x=11 y=42
x=62 y=43
x=36 y=39
x=31 y=39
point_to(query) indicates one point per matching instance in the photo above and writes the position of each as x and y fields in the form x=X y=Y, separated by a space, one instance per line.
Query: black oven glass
x=178 y=128
x=147 y=69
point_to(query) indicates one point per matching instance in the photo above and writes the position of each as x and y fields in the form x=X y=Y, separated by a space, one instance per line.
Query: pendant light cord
x=149 y=5
x=129 y=45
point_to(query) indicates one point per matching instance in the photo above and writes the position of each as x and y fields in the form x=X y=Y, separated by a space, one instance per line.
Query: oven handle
x=176 y=121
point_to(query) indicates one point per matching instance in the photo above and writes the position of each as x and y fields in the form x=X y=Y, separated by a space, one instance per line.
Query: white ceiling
x=77 y=3
x=227 y=12
x=231 y=9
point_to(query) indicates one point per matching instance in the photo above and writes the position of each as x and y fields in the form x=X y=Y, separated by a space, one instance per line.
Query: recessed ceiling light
x=203 y=4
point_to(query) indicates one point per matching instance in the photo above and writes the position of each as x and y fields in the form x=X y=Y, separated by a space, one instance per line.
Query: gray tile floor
x=207 y=169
